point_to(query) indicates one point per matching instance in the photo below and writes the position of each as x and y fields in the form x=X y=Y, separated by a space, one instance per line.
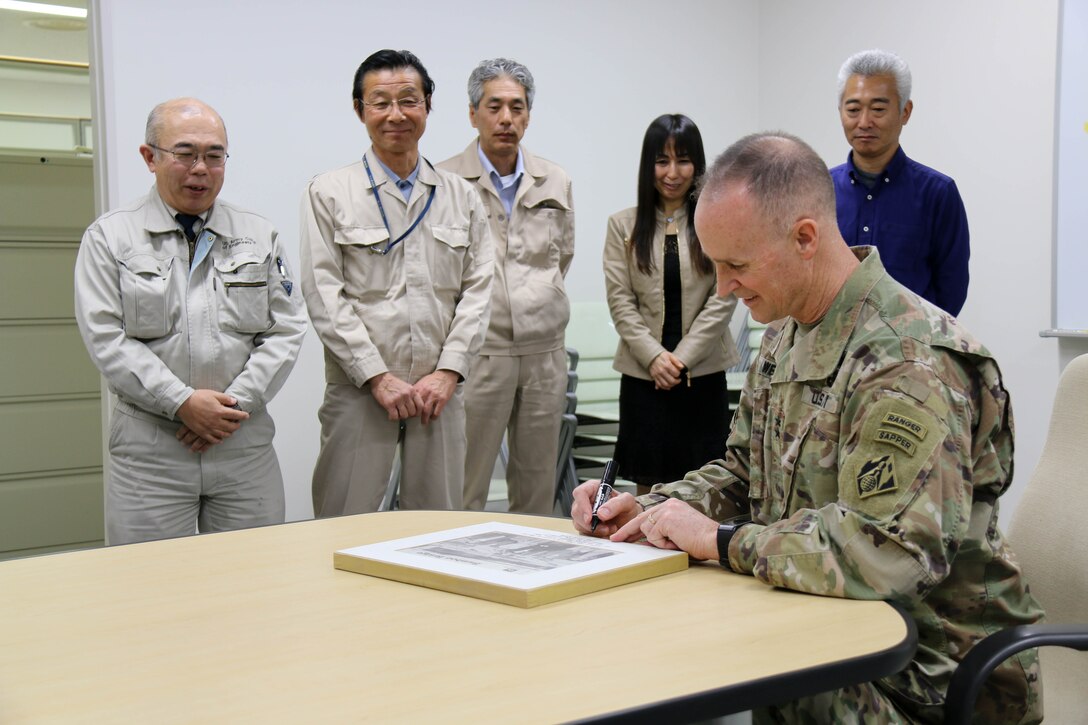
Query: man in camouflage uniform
x=873 y=439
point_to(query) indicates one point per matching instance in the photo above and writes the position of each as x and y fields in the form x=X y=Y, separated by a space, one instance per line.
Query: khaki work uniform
x=420 y=307
x=518 y=385
x=871 y=451
x=157 y=330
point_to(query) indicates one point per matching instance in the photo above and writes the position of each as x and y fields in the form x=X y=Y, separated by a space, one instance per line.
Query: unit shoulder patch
x=877 y=475
x=895 y=442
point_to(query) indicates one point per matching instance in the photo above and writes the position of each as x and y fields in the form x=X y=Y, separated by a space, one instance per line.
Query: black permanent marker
x=604 y=492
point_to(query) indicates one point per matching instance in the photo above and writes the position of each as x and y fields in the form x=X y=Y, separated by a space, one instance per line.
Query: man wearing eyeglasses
x=186 y=306
x=396 y=272
x=519 y=382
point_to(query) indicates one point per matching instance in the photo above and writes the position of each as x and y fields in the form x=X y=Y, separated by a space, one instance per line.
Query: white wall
x=1071 y=253
x=280 y=74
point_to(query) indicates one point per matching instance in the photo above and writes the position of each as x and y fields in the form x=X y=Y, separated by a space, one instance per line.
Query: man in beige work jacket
x=519 y=382
x=185 y=304
x=396 y=273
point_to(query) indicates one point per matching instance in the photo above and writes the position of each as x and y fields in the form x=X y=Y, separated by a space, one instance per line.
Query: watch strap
x=726 y=531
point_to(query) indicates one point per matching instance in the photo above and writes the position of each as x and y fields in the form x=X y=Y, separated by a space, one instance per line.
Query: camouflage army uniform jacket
x=871 y=452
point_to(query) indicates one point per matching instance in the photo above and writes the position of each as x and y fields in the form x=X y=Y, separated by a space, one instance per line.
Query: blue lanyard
x=385 y=220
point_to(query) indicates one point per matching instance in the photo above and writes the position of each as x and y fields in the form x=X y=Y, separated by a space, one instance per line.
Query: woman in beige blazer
x=674 y=330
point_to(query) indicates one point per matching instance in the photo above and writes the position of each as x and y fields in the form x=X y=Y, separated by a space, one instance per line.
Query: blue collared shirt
x=915 y=217
x=405 y=185
x=505 y=186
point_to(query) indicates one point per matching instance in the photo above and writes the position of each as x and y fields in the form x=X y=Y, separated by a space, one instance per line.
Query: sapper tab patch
x=894 y=438
x=905 y=423
x=876 y=476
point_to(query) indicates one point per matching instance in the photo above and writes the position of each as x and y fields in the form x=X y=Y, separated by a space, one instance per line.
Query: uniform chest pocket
x=548 y=235
x=242 y=292
x=363 y=239
x=758 y=455
x=368 y=271
x=448 y=262
x=793 y=454
x=150 y=307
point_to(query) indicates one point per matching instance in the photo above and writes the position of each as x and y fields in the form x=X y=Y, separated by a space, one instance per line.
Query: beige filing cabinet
x=50 y=392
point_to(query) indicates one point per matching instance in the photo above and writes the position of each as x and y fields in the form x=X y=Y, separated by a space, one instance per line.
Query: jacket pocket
x=777 y=442
x=368 y=272
x=757 y=458
x=454 y=237
x=243 y=293
x=149 y=307
x=545 y=242
x=448 y=263
x=370 y=239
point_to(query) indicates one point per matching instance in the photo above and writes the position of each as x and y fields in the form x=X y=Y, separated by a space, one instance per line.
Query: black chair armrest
x=976 y=667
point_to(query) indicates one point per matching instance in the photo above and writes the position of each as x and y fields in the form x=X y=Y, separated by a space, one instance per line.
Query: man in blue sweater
x=910 y=212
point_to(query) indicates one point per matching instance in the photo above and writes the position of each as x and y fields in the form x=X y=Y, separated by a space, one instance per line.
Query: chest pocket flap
x=366 y=237
x=149 y=307
x=455 y=237
x=243 y=293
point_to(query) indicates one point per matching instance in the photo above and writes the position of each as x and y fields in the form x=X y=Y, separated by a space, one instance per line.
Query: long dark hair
x=687 y=141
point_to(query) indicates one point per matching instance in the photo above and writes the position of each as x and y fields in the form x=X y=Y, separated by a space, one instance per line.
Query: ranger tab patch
x=876 y=476
x=905 y=423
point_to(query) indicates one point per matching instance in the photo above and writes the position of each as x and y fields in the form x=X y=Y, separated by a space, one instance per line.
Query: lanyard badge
x=385 y=220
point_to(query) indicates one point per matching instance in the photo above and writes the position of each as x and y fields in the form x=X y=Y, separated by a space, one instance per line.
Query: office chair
x=1047 y=536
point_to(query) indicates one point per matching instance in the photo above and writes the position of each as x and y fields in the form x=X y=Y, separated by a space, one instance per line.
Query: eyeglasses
x=213 y=158
x=404 y=104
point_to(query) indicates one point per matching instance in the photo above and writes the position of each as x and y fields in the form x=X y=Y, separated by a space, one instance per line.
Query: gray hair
x=489 y=70
x=878 y=62
x=157 y=117
x=785 y=177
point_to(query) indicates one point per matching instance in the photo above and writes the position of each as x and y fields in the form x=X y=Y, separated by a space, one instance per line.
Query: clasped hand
x=666 y=370
x=426 y=398
x=208 y=418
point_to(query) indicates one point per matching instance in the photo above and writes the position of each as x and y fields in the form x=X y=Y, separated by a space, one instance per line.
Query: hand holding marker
x=603 y=493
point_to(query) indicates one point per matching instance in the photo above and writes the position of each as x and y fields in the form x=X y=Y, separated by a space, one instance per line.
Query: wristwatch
x=726 y=530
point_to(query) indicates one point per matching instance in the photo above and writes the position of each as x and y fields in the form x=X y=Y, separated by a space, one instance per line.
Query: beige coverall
x=420 y=307
x=518 y=385
x=158 y=330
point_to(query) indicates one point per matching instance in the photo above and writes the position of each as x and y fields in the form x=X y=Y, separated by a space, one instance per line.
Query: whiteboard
x=1071 y=197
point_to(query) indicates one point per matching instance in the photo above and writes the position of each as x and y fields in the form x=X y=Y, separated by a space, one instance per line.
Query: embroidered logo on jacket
x=876 y=476
x=237 y=242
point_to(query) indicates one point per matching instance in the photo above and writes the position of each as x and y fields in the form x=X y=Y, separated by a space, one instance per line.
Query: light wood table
x=257 y=626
